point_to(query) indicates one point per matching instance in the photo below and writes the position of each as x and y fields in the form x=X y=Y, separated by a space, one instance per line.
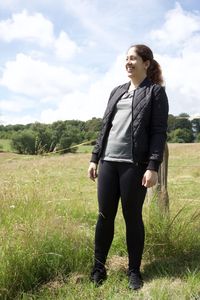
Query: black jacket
x=149 y=123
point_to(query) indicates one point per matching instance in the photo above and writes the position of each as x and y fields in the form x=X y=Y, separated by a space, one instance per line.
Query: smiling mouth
x=129 y=69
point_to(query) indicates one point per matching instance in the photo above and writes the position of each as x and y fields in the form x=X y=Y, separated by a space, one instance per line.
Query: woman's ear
x=146 y=64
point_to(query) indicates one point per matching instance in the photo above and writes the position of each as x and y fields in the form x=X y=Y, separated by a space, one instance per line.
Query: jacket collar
x=144 y=82
x=124 y=88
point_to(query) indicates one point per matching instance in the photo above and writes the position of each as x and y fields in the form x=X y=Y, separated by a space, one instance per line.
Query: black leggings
x=120 y=180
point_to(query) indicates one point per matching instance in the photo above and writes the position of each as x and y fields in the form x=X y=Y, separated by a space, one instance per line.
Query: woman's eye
x=130 y=58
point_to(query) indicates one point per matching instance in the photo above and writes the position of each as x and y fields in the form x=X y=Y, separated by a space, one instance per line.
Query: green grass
x=5 y=145
x=48 y=211
x=85 y=149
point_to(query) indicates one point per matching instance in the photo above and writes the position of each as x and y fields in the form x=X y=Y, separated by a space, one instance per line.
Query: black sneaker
x=98 y=275
x=135 y=280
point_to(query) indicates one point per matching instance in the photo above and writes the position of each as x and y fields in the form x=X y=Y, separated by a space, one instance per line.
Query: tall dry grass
x=48 y=212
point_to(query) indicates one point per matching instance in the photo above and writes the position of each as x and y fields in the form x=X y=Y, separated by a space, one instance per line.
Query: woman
x=129 y=150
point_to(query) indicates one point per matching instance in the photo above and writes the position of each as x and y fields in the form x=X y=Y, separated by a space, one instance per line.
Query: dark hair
x=154 y=72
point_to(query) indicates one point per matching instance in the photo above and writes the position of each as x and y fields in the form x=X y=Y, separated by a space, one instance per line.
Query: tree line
x=60 y=136
x=63 y=136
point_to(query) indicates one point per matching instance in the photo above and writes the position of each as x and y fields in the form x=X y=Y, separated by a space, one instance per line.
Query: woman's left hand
x=150 y=178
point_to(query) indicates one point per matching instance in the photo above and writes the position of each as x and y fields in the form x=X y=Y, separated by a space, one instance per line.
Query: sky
x=59 y=60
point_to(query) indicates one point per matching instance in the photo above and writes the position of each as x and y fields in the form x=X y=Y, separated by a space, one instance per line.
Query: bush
x=64 y=144
x=24 y=142
x=45 y=141
x=181 y=136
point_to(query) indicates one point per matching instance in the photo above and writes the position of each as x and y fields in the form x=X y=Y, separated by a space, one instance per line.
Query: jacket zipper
x=132 y=128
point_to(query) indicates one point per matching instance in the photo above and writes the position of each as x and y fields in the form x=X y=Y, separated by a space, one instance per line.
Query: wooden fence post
x=161 y=188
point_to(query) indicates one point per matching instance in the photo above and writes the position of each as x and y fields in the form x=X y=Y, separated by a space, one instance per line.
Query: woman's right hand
x=92 y=171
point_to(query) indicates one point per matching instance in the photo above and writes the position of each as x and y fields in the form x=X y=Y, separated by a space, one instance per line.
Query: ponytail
x=154 y=72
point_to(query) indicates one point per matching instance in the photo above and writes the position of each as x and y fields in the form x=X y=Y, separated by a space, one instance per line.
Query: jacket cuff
x=153 y=165
x=94 y=158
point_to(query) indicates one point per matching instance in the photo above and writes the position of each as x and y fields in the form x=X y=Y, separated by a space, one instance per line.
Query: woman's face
x=136 y=68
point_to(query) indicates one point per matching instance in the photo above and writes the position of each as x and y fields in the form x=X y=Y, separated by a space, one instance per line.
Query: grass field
x=48 y=210
x=5 y=145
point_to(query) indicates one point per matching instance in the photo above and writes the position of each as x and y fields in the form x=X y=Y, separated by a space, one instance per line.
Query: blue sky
x=60 y=59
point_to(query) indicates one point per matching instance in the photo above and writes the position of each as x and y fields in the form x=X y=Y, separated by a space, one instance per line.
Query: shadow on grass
x=176 y=266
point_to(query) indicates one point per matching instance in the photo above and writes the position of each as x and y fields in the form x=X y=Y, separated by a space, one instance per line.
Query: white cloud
x=17 y=119
x=180 y=66
x=71 y=106
x=110 y=27
x=179 y=26
x=36 y=78
x=84 y=94
x=37 y=29
x=17 y=104
x=113 y=23
x=65 y=47
x=92 y=103
x=182 y=82
x=23 y=26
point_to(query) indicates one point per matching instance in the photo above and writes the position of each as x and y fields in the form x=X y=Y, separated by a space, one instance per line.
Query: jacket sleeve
x=158 y=127
x=98 y=146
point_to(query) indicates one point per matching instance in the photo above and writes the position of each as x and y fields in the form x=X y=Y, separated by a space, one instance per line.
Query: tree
x=171 y=123
x=92 y=128
x=198 y=138
x=180 y=129
x=93 y=125
x=196 y=126
x=183 y=122
x=180 y=135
